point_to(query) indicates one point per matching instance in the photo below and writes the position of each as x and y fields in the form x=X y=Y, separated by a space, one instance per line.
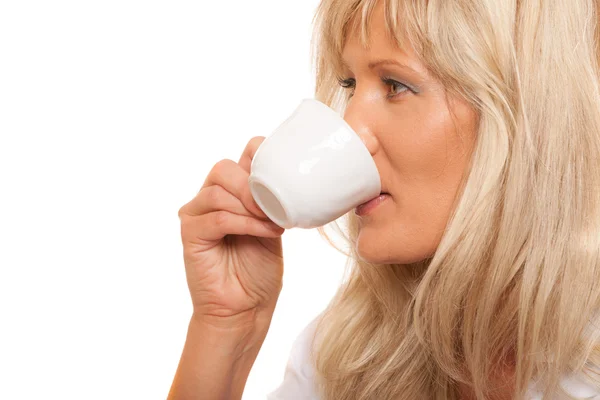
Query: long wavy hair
x=515 y=279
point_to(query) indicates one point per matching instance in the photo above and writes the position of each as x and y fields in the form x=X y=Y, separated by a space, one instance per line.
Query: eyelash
x=350 y=83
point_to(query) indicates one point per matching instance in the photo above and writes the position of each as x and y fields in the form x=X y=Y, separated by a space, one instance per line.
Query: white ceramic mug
x=312 y=169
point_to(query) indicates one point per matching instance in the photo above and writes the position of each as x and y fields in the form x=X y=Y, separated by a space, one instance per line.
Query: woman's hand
x=232 y=251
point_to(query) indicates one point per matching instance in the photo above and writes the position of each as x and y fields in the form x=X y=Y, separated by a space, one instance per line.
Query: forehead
x=366 y=41
x=367 y=27
x=379 y=43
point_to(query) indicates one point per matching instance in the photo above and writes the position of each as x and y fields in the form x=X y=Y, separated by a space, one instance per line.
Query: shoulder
x=299 y=376
x=575 y=385
x=580 y=385
x=298 y=381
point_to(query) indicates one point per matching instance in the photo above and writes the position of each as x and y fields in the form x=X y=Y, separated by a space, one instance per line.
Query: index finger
x=248 y=155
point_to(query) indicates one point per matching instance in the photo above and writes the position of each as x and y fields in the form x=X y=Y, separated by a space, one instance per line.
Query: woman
x=478 y=276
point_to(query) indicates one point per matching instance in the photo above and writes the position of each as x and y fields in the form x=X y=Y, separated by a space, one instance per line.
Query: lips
x=370 y=205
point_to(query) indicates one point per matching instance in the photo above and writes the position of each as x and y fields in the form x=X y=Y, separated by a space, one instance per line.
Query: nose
x=358 y=119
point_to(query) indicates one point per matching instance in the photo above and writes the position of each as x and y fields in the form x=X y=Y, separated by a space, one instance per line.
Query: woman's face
x=421 y=152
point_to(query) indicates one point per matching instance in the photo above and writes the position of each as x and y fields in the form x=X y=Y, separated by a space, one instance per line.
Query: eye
x=348 y=83
x=397 y=88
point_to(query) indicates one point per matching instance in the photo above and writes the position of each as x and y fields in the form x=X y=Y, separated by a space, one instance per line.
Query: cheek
x=428 y=146
x=429 y=159
x=424 y=145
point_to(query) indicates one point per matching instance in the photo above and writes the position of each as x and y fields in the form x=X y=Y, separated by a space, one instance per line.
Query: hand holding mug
x=232 y=251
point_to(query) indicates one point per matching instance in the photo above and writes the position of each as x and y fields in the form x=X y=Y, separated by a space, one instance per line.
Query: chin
x=375 y=249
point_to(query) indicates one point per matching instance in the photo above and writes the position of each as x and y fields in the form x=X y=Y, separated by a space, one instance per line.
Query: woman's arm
x=216 y=360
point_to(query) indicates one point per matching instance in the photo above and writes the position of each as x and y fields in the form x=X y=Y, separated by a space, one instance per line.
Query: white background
x=111 y=115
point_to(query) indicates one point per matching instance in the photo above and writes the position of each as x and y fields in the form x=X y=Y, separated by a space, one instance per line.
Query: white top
x=298 y=381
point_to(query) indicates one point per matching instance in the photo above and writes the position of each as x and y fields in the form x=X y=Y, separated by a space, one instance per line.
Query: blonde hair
x=516 y=276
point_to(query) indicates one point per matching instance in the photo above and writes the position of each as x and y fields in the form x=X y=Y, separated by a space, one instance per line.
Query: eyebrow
x=377 y=63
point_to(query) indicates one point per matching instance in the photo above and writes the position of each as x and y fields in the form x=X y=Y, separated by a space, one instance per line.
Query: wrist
x=234 y=342
x=216 y=359
x=255 y=319
x=233 y=335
